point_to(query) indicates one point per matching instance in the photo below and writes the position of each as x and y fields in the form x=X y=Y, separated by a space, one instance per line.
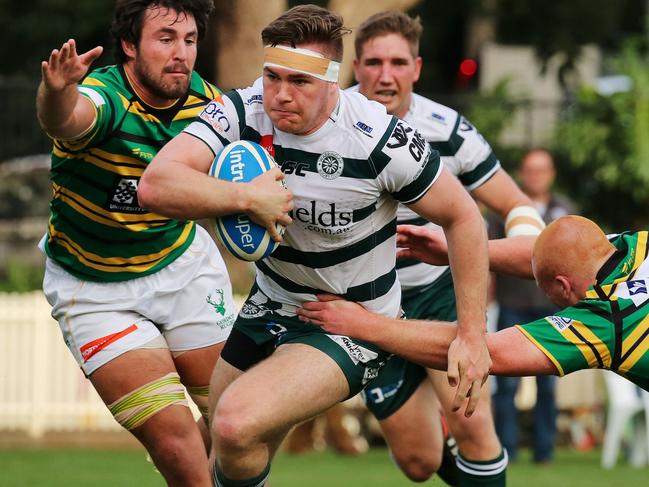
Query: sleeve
x=219 y=122
x=105 y=102
x=405 y=164
x=475 y=159
x=573 y=339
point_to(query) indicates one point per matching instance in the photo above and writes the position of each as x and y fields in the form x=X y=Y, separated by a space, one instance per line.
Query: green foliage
x=603 y=143
x=492 y=111
x=564 y=27
x=21 y=277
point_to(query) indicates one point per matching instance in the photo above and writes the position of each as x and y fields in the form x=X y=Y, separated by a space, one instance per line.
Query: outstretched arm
x=511 y=255
x=423 y=342
x=61 y=111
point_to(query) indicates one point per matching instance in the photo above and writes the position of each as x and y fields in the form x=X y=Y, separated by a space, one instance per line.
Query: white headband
x=303 y=61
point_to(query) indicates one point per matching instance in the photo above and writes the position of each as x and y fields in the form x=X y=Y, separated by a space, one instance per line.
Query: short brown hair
x=390 y=22
x=306 y=24
x=128 y=19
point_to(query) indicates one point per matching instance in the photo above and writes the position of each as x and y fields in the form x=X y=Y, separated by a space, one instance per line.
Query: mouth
x=178 y=71
x=385 y=93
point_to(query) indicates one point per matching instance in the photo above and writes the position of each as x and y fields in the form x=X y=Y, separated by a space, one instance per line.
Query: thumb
x=90 y=56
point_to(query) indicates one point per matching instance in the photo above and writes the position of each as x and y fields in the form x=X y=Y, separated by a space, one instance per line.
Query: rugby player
x=600 y=282
x=144 y=302
x=347 y=163
x=386 y=66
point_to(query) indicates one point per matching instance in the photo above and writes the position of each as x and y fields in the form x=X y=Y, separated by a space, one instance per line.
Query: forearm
x=55 y=111
x=467 y=248
x=422 y=342
x=512 y=256
x=179 y=191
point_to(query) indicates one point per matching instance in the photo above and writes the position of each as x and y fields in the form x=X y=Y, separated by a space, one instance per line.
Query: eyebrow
x=292 y=76
x=171 y=30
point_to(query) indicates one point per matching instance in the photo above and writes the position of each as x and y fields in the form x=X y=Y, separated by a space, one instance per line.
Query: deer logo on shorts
x=219 y=306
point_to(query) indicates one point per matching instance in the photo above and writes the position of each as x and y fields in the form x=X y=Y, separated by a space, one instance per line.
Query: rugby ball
x=241 y=162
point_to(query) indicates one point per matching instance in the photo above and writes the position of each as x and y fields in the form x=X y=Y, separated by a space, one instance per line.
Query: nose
x=385 y=76
x=180 y=51
x=284 y=94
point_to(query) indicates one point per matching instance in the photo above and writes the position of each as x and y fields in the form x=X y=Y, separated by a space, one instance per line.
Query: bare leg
x=170 y=436
x=414 y=434
x=257 y=410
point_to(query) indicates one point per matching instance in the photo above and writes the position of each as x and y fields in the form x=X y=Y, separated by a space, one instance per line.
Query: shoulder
x=106 y=85
x=203 y=87
x=369 y=120
x=437 y=122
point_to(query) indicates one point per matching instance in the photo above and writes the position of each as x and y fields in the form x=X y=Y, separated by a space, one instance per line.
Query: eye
x=190 y=42
x=165 y=40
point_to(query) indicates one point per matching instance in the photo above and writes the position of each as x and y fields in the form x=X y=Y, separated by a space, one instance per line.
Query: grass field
x=97 y=468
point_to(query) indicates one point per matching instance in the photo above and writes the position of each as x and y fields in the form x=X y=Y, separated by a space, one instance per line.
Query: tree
x=240 y=56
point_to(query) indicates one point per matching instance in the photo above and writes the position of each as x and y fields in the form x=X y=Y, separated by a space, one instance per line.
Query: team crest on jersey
x=123 y=197
x=636 y=290
x=330 y=165
x=559 y=322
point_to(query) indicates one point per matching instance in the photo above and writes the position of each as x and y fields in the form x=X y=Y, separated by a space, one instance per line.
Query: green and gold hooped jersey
x=609 y=329
x=97 y=230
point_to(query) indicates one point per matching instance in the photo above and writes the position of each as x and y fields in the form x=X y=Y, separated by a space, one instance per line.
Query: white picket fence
x=41 y=387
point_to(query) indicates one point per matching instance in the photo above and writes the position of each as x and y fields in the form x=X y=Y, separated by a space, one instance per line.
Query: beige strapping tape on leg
x=134 y=408
x=199 y=395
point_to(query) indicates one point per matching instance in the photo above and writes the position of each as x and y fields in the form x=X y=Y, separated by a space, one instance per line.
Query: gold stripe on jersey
x=543 y=349
x=137 y=109
x=93 y=82
x=135 y=222
x=584 y=347
x=636 y=337
x=640 y=254
x=140 y=263
x=97 y=157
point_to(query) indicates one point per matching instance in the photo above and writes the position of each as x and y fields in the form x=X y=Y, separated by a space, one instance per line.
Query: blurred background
x=569 y=76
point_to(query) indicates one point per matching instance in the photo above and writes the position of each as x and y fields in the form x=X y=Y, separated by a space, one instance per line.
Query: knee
x=417 y=466
x=232 y=427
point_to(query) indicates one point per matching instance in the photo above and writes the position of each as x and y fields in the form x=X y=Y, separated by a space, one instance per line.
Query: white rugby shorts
x=189 y=303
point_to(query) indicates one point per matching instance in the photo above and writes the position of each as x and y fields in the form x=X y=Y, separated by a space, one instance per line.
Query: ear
x=128 y=48
x=565 y=287
x=355 y=64
x=418 y=64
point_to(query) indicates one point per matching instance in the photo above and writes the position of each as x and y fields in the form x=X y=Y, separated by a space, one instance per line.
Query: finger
x=453 y=372
x=278 y=174
x=310 y=306
x=65 y=52
x=73 y=47
x=274 y=233
x=327 y=297
x=474 y=398
x=285 y=220
x=404 y=254
x=54 y=59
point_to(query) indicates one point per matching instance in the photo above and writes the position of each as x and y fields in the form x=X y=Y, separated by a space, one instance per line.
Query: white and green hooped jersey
x=347 y=179
x=464 y=152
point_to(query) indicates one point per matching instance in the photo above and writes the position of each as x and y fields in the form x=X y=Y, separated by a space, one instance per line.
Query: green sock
x=220 y=480
x=492 y=473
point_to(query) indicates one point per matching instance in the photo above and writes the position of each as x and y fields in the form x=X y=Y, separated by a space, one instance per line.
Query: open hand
x=335 y=315
x=65 y=67
x=421 y=243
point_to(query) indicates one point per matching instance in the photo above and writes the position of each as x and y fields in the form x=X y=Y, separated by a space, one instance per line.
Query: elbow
x=147 y=192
